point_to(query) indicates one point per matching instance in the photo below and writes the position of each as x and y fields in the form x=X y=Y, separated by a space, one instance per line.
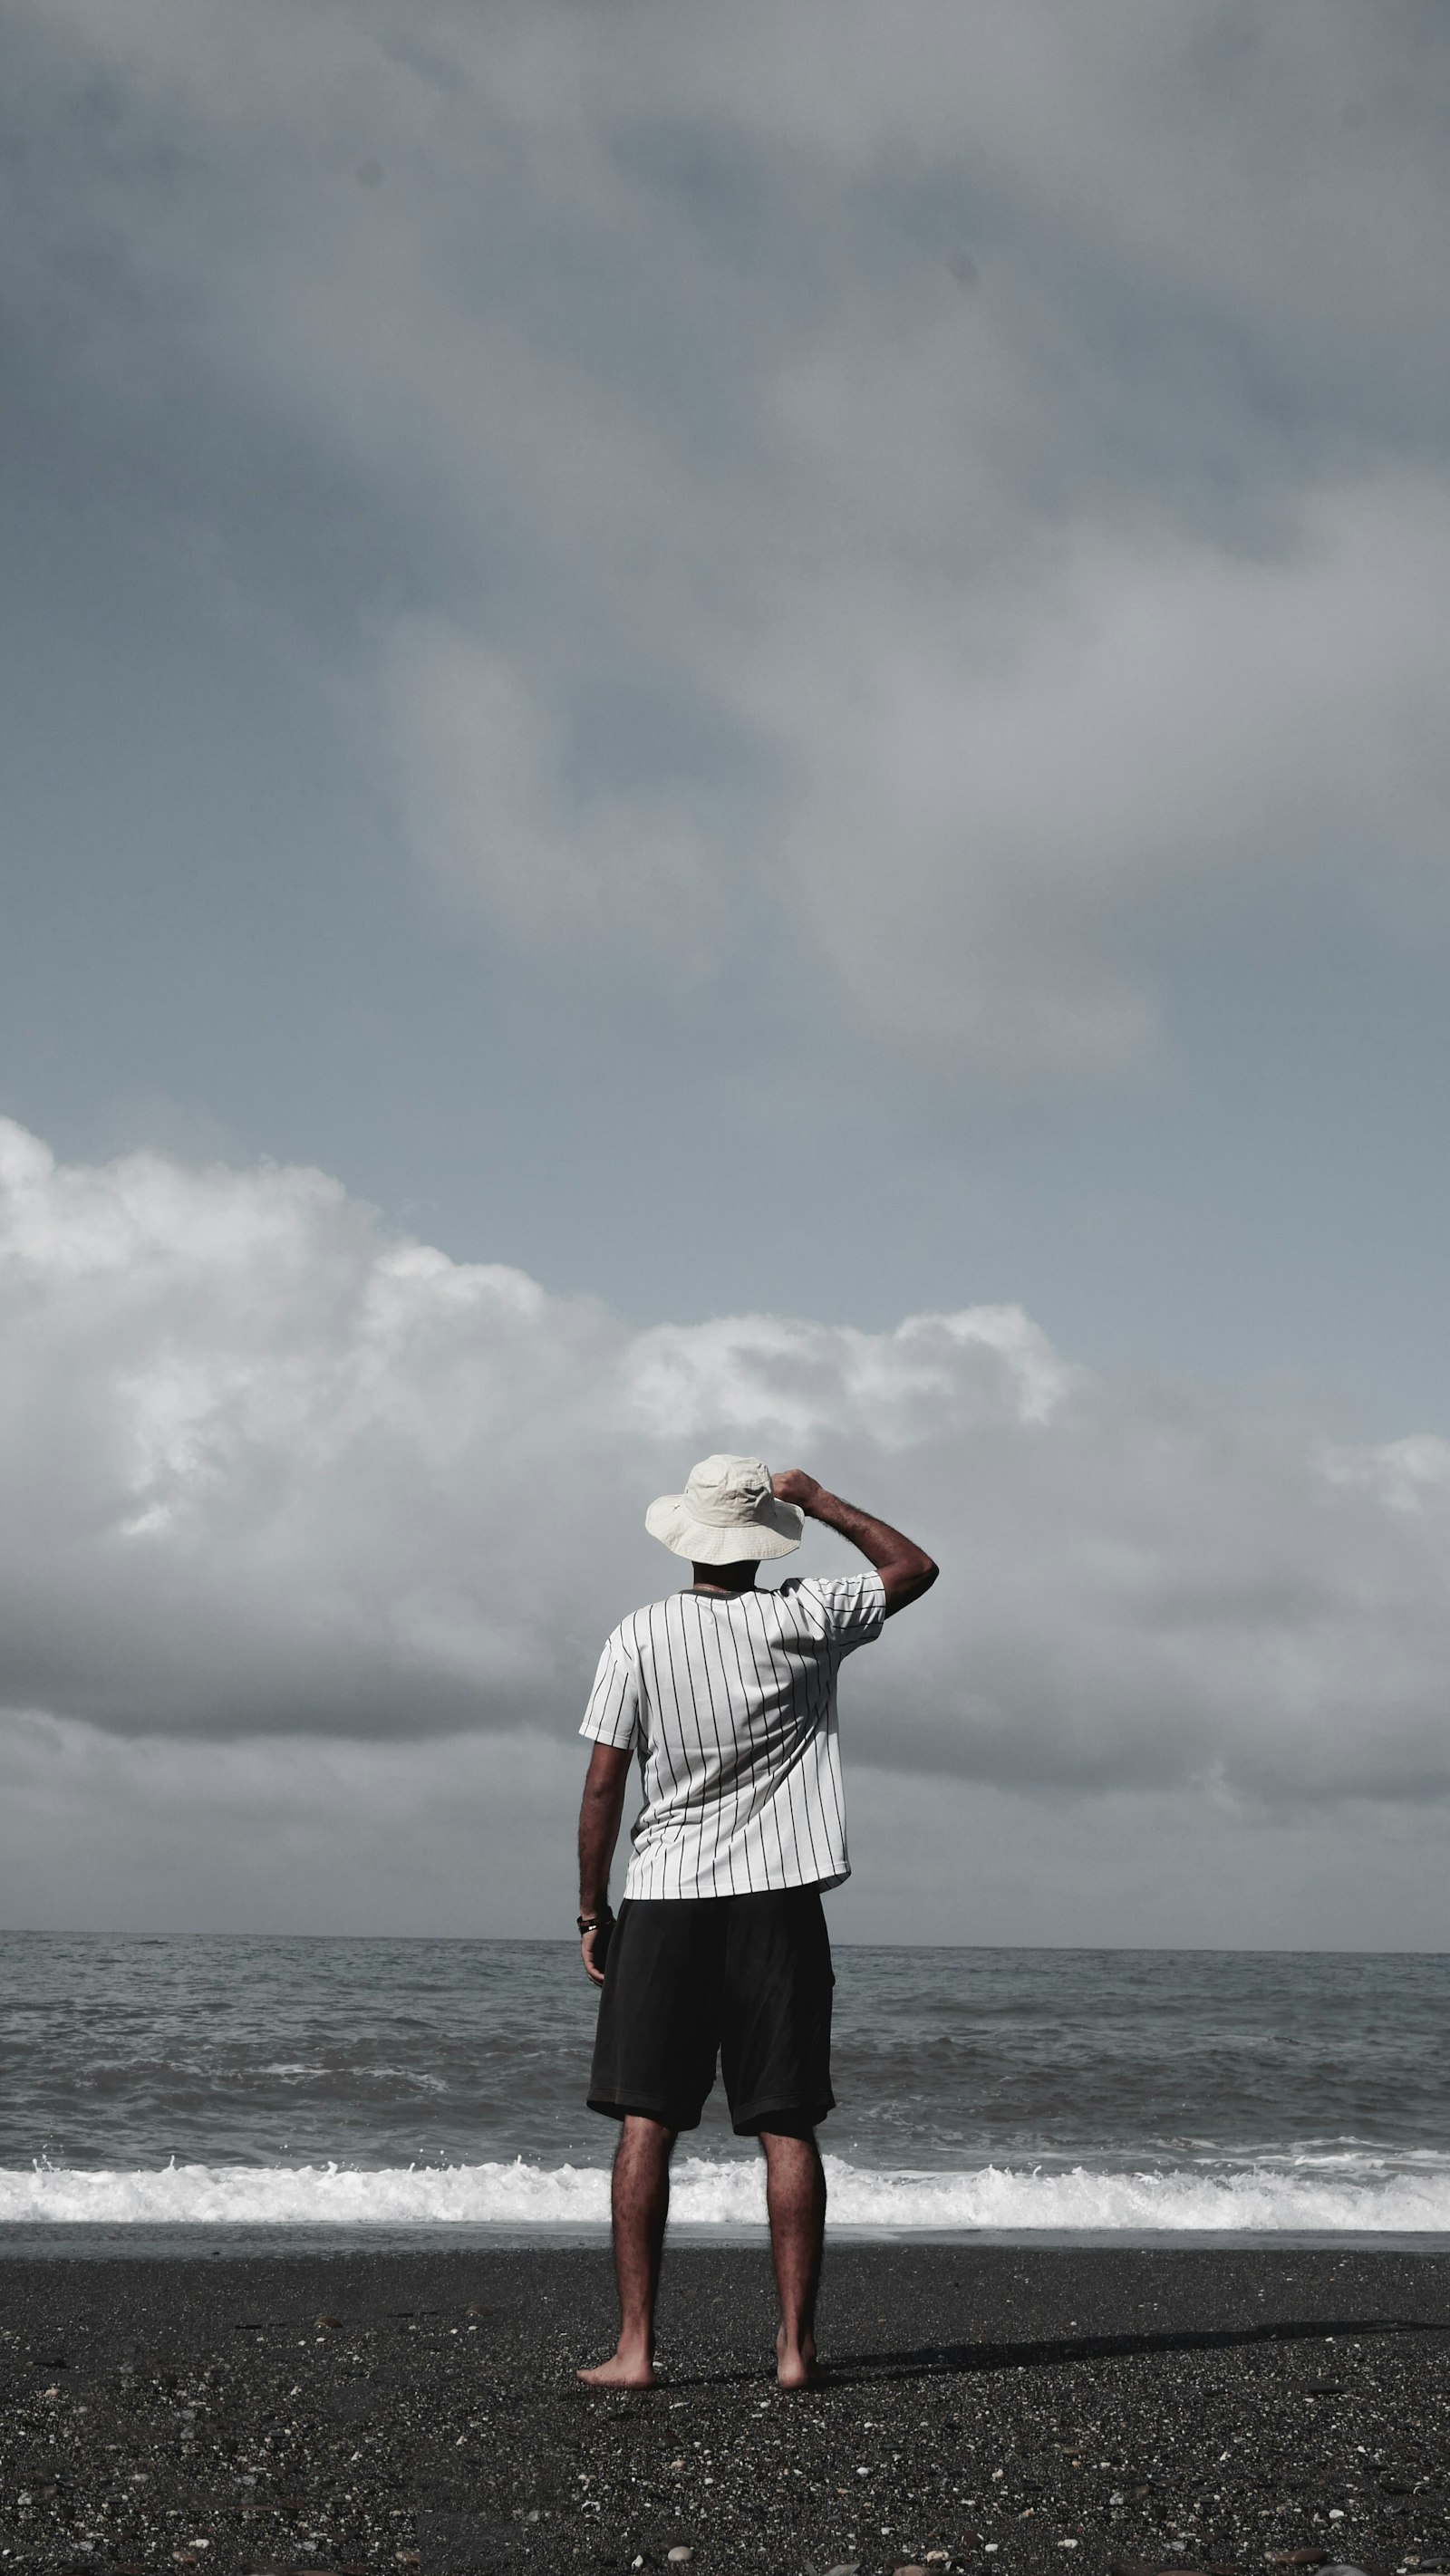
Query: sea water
x=386 y=2084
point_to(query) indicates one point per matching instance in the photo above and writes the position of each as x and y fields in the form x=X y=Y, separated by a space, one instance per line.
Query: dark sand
x=353 y=2410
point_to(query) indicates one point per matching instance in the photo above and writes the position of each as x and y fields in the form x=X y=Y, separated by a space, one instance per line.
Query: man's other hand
x=905 y=1569
x=592 y=1949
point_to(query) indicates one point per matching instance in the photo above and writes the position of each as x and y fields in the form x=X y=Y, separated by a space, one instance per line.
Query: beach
x=302 y=2242
x=1011 y=2407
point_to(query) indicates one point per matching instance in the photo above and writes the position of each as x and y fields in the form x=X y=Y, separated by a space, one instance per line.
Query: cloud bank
x=267 y=1467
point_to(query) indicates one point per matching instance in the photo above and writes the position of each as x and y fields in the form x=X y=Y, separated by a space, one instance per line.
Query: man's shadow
x=956 y=2360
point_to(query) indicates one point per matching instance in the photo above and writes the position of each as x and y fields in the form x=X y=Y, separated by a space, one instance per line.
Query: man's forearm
x=875 y=1539
x=599 y=1814
x=599 y=1818
x=905 y=1569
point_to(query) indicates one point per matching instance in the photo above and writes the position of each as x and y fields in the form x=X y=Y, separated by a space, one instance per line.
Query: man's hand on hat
x=793 y=1485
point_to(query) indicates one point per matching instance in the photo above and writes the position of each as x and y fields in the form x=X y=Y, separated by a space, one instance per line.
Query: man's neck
x=725 y=1578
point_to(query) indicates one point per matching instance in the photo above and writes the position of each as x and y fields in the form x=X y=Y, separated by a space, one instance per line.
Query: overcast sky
x=726 y=728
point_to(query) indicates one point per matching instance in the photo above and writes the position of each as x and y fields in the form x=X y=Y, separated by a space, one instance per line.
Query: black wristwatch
x=591 y=1922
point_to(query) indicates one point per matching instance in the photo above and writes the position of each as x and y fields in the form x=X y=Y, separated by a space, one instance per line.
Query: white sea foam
x=1320 y=2195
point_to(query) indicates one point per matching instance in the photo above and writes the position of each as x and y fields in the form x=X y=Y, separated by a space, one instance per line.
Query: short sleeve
x=853 y=1607
x=612 y=1716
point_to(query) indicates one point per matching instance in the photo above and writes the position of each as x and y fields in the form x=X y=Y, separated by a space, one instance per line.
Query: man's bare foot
x=622 y=2370
x=795 y=2364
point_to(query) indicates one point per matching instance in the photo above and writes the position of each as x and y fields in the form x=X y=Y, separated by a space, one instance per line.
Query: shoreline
x=244 y=2240
x=356 y=2406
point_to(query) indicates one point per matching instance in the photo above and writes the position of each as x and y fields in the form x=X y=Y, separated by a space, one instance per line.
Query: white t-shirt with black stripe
x=731 y=1701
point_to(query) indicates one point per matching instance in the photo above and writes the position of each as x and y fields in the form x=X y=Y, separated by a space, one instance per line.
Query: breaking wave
x=1322 y=2195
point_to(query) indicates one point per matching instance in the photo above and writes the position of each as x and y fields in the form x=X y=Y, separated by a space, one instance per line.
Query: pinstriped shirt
x=730 y=1701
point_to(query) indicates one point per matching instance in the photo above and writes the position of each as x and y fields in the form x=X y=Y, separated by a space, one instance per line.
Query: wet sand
x=1014 y=2409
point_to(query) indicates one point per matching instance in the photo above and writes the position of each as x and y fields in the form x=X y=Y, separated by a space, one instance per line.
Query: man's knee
x=643 y=2134
x=791 y=2151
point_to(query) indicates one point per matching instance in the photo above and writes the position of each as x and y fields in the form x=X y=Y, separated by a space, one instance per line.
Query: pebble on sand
x=220 y=2381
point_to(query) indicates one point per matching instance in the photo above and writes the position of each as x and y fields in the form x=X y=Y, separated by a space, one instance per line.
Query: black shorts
x=747 y=1977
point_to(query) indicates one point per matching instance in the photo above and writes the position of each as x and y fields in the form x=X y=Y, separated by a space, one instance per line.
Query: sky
x=725 y=729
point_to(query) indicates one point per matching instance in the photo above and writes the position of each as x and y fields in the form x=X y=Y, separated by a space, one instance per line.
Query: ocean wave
x=1327 y=2196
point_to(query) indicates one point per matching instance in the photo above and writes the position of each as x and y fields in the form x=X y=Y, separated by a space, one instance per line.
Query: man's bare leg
x=639 y=2200
x=795 y=2196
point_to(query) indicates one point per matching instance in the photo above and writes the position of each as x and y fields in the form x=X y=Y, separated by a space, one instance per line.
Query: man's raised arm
x=905 y=1569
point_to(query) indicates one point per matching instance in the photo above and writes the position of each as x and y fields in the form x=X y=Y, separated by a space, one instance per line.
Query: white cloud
x=266 y=1467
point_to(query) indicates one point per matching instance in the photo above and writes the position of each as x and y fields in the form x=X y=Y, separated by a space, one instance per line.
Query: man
x=729 y=1696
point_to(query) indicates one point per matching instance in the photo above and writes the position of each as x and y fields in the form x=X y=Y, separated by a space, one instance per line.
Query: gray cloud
x=470 y=1834
x=457 y=1834
x=968 y=493
x=268 y=1466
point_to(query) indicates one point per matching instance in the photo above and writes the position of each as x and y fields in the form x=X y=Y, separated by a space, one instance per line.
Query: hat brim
x=774 y=1531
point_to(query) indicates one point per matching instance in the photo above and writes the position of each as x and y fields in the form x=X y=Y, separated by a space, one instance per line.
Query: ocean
x=404 y=2086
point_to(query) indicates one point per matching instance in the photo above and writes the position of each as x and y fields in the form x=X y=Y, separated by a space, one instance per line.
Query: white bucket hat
x=726 y=1513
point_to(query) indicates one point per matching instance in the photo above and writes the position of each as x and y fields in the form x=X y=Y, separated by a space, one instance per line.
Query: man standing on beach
x=729 y=1696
